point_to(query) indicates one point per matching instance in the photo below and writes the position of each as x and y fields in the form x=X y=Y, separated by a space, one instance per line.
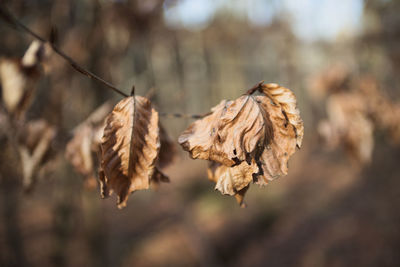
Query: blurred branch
x=186 y=116
x=8 y=17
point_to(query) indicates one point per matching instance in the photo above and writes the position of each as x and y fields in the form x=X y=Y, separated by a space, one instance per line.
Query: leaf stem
x=257 y=87
x=186 y=116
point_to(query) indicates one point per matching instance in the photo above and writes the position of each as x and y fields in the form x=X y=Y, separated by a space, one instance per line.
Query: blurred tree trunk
x=13 y=254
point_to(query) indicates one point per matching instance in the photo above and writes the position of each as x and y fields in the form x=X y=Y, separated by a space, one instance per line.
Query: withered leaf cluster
x=354 y=113
x=348 y=124
x=246 y=140
x=384 y=111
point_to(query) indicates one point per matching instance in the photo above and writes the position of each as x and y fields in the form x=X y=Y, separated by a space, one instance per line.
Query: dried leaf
x=34 y=54
x=130 y=148
x=33 y=146
x=384 y=112
x=349 y=124
x=86 y=142
x=232 y=181
x=230 y=134
x=19 y=78
x=79 y=151
x=288 y=131
x=284 y=99
x=200 y=138
x=359 y=140
x=353 y=116
x=332 y=80
x=252 y=137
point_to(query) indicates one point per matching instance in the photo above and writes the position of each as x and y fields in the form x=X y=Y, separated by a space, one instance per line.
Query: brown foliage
x=233 y=181
x=85 y=142
x=354 y=115
x=384 y=111
x=129 y=149
x=33 y=145
x=332 y=80
x=349 y=124
x=18 y=79
x=249 y=139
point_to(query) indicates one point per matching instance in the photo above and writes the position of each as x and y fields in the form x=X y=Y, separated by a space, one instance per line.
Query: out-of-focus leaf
x=384 y=112
x=349 y=124
x=86 y=142
x=332 y=80
x=34 y=143
x=19 y=78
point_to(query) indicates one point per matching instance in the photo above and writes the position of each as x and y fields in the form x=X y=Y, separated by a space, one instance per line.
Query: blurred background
x=338 y=206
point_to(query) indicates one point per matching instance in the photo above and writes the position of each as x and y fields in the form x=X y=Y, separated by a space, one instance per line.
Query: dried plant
x=349 y=124
x=130 y=148
x=33 y=145
x=246 y=140
x=86 y=142
x=18 y=79
x=353 y=116
x=252 y=136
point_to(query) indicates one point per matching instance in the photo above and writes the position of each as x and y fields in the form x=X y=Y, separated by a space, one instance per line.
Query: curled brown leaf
x=232 y=181
x=129 y=149
x=288 y=131
x=86 y=142
x=259 y=132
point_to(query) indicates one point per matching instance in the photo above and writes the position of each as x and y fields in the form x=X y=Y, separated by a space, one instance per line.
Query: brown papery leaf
x=349 y=124
x=79 y=152
x=232 y=181
x=252 y=137
x=201 y=136
x=288 y=131
x=130 y=147
x=85 y=143
x=332 y=80
x=18 y=79
x=34 y=143
x=384 y=112
x=230 y=134
x=286 y=101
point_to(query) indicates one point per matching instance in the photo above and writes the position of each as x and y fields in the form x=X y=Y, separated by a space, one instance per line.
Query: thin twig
x=187 y=116
x=256 y=87
x=8 y=17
